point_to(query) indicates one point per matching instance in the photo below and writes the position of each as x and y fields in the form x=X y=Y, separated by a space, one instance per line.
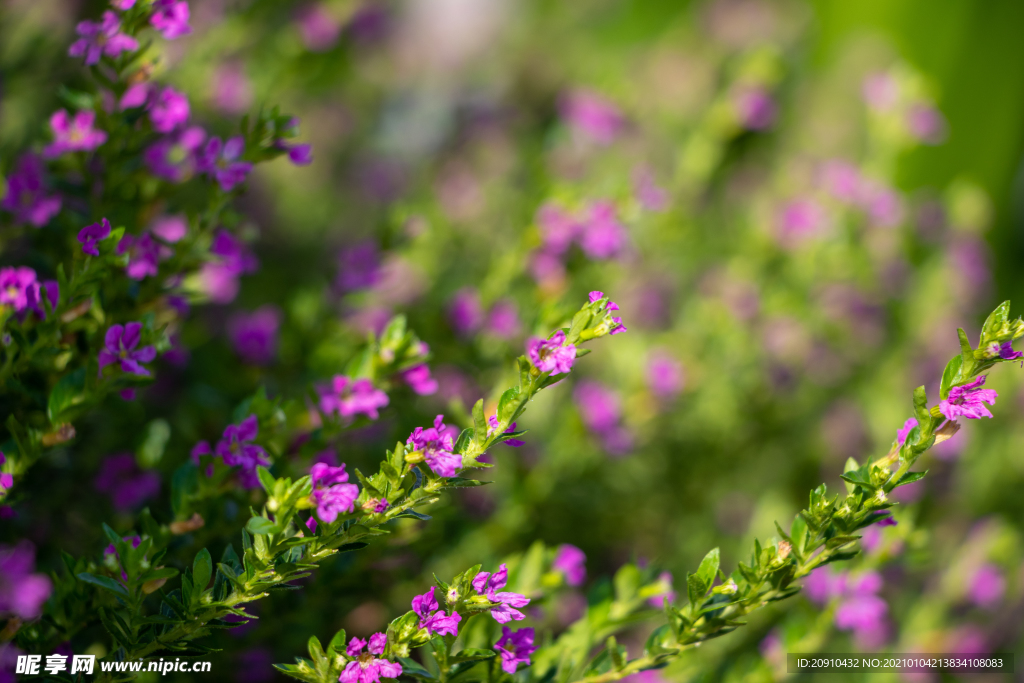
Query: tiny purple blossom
x=436 y=622
x=419 y=380
x=26 y=197
x=73 y=134
x=18 y=288
x=254 y=335
x=492 y=423
x=348 y=398
x=143 y=255
x=570 y=561
x=665 y=375
x=358 y=267
x=364 y=668
x=465 y=312
x=1005 y=350
x=127 y=485
x=603 y=236
x=169 y=111
x=755 y=108
x=798 y=221
x=332 y=501
x=489 y=585
x=170 y=229
x=437 y=446
x=987 y=586
x=558 y=228
x=220 y=161
x=22 y=593
x=355 y=647
x=174 y=157
x=170 y=18
x=651 y=196
x=6 y=478
x=91 y=234
x=503 y=320
x=98 y=38
x=665 y=578
x=515 y=648
x=551 y=355
x=969 y=401
x=237 y=449
x=861 y=613
x=592 y=115
x=119 y=346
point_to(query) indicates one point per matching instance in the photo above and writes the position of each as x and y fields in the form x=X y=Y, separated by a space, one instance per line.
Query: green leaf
x=839 y=541
x=949 y=375
x=184 y=483
x=709 y=567
x=266 y=478
x=479 y=422
x=337 y=643
x=995 y=324
x=411 y=668
x=316 y=651
x=460 y=482
x=261 y=525
x=66 y=395
x=696 y=589
x=910 y=478
x=851 y=466
x=462 y=443
x=508 y=403
x=472 y=654
x=202 y=569
x=104 y=582
x=413 y=515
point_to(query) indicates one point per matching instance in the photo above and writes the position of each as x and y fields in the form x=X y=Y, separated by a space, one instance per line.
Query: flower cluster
x=596 y=229
x=236 y=448
x=348 y=398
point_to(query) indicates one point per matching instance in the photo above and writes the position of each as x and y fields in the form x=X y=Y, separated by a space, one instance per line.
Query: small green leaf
x=472 y=654
x=261 y=525
x=709 y=567
x=65 y=395
x=202 y=569
x=910 y=478
x=337 y=643
x=479 y=422
x=266 y=478
x=949 y=375
x=104 y=582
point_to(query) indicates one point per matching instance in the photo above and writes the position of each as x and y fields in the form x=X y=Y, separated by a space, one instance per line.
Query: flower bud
x=946 y=431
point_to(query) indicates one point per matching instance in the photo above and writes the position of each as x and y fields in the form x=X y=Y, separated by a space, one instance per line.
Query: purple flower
x=437 y=446
x=6 y=478
x=647 y=192
x=365 y=668
x=664 y=375
x=170 y=229
x=18 y=288
x=755 y=108
x=22 y=593
x=73 y=134
x=488 y=584
x=254 y=335
x=300 y=155
x=515 y=648
x=503 y=320
x=318 y=27
x=355 y=647
x=237 y=449
x=799 y=220
x=465 y=312
x=232 y=92
x=436 y=622
x=881 y=203
x=603 y=236
x=600 y=410
x=570 y=562
x=220 y=277
x=968 y=400
x=492 y=422
x=98 y=38
x=348 y=398
x=91 y=234
x=122 y=5
x=987 y=586
x=26 y=198
x=358 y=267
x=170 y=18
x=419 y=379
x=551 y=355
x=143 y=255
x=861 y=613
x=1004 y=350
x=558 y=228
x=169 y=111
x=926 y=123
x=127 y=485
x=842 y=180
x=119 y=347
x=173 y=158
x=331 y=494
x=219 y=160
x=592 y=115
x=615 y=325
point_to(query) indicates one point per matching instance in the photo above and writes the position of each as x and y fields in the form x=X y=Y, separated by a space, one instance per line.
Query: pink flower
x=331 y=495
x=603 y=236
x=969 y=401
x=592 y=115
x=570 y=561
x=101 y=38
x=755 y=108
x=73 y=135
x=318 y=28
x=489 y=585
x=27 y=199
x=987 y=586
x=170 y=18
x=437 y=447
x=551 y=355
x=120 y=345
x=419 y=380
x=347 y=398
